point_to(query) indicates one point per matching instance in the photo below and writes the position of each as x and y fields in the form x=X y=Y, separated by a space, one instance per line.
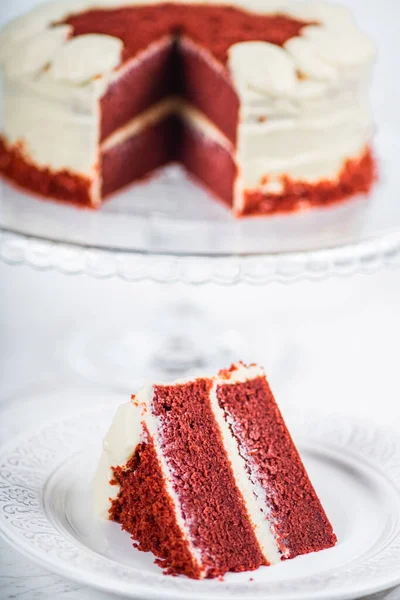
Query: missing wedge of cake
x=204 y=474
x=265 y=102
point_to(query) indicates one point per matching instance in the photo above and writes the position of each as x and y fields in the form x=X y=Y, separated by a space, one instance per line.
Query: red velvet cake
x=204 y=474
x=263 y=102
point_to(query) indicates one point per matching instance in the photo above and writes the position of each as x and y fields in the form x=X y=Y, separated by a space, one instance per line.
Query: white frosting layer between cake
x=303 y=108
x=126 y=433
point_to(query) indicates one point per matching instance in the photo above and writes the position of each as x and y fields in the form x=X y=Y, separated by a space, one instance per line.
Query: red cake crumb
x=61 y=185
x=181 y=495
x=145 y=511
x=300 y=523
x=357 y=177
x=139 y=87
x=138 y=26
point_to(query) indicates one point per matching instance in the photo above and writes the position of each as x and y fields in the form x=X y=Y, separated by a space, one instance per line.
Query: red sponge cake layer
x=194 y=67
x=139 y=26
x=145 y=511
x=208 y=88
x=138 y=155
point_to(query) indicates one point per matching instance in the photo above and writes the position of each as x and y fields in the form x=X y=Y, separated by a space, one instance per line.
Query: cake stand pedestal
x=169 y=230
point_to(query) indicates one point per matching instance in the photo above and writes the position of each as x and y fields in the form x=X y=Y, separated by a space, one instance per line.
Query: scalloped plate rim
x=81 y=576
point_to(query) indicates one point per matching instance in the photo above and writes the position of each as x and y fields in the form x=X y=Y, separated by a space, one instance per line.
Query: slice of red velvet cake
x=264 y=102
x=204 y=474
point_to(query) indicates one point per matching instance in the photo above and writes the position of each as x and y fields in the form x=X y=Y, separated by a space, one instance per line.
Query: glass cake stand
x=169 y=230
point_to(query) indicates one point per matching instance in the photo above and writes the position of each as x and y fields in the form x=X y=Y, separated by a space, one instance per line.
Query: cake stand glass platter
x=168 y=229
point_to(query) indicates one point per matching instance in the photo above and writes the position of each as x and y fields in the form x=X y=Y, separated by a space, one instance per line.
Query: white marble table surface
x=331 y=345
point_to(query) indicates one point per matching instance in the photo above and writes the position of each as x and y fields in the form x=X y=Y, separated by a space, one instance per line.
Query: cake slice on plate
x=266 y=103
x=204 y=474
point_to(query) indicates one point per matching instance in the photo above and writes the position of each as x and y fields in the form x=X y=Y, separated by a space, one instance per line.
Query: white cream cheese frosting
x=170 y=106
x=263 y=68
x=86 y=57
x=318 y=121
x=120 y=443
x=40 y=113
x=126 y=433
x=303 y=108
x=255 y=503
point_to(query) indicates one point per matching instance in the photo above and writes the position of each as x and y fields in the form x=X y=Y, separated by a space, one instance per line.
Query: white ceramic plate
x=46 y=513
